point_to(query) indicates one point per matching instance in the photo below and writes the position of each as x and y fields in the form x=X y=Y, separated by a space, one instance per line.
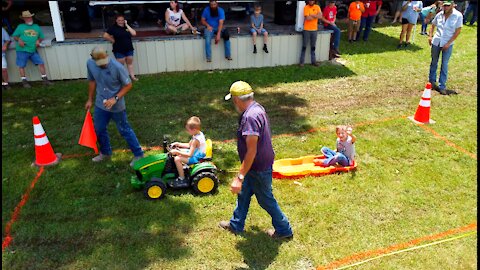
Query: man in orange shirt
x=312 y=13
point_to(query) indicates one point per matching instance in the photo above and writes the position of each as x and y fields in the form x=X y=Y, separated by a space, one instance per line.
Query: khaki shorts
x=353 y=25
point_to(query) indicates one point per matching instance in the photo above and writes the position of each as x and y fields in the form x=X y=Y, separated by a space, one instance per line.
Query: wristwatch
x=116 y=98
x=241 y=177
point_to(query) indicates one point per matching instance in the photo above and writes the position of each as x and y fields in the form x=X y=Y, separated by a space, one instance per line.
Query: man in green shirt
x=29 y=36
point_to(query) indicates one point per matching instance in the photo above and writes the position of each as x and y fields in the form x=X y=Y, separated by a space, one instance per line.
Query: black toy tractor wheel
x=205 y=182
x=155 y=189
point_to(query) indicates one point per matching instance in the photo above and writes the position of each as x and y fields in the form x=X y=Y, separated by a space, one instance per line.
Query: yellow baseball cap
x=239 y=88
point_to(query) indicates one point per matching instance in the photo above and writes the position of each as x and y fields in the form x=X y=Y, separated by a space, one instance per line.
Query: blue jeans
x=432 y=77
x=208 y=43
x=472 y=8
x=260 y=185
x=332 y=157
x=365 y=23
x=102 y=118
x=422 y=21
x=308 y=36
x=336 y=35
x=7 y=23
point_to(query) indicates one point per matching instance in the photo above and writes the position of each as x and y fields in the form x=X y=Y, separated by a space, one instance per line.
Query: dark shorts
x=123 y=55
x=405 y=21
x=22 y=58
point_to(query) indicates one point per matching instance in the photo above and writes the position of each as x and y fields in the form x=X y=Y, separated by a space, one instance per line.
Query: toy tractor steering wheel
x=169 y=147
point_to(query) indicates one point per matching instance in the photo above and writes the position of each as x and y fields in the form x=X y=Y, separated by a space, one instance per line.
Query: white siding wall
x=68 y=61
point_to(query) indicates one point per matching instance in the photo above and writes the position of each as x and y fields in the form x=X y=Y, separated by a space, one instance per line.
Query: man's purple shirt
x=254 y=121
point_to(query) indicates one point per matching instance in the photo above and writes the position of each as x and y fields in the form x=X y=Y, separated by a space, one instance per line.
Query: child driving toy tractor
x=157 y=172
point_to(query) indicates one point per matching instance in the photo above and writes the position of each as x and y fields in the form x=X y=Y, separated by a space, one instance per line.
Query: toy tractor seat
x=208 y=151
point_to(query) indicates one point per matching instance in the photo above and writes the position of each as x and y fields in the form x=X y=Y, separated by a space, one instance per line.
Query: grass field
x=409 y=183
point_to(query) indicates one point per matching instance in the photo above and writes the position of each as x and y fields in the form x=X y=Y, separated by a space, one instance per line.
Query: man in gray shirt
x=111 y=82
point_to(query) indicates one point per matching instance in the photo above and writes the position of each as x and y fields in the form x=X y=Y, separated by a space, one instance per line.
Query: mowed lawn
x=409 y=183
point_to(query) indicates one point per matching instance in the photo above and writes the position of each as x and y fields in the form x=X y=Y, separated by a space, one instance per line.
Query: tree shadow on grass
x=203 y=95
x=160 y=104
x=258 y=249
x=97 y=222
x=220 y=121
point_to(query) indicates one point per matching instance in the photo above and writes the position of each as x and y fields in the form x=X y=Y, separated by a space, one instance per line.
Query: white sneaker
x=134 y=160
x=101 y=157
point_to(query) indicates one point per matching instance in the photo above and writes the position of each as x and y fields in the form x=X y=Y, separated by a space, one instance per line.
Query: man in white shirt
x=448 y=24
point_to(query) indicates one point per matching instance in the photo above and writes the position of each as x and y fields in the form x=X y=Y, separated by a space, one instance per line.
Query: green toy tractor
x=156 y=173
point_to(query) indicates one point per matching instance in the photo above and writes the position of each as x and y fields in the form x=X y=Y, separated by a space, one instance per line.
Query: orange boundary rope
x=447 y=141
x=371 y=253
x=16 y=213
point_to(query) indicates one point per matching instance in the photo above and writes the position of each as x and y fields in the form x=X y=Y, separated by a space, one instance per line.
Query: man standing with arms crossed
x=311 y=13
x=254 y=146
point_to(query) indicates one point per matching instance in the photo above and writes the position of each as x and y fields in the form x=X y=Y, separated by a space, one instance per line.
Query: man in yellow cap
x=28 y=36
x=111 y=82
x=254 y=146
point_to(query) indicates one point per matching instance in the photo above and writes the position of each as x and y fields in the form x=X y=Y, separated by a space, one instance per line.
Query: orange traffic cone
x=44 y=154
x=88 y=137
x=422 y=115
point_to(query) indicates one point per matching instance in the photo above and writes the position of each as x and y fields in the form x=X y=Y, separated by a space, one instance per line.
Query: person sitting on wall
x=213 y=18
x=173 y=17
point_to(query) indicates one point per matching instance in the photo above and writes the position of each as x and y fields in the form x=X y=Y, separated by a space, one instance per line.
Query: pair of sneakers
x=264 y=48
x=315 y=64
x=179 y=182
x=404 y=44
x=45 y=80
x=443 y=91
x=270 y=232
x=103 y=157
